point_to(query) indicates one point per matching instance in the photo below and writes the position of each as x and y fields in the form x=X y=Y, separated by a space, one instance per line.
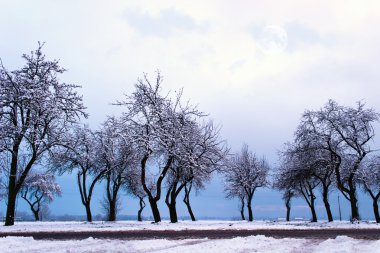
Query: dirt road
x=369 y=234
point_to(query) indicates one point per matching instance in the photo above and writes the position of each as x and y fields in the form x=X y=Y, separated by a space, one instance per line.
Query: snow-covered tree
x=201 y=153
x=134 y=187
x=246 y=172
x=295 y=174
x=39 y=189
x=154 y=121
x=116 y=154
x=345 y=132
x=81 y=154
x=369 y=178
x=36 y=109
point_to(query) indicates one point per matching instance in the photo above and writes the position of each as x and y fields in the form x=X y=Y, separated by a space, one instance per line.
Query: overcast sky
x=254 y=66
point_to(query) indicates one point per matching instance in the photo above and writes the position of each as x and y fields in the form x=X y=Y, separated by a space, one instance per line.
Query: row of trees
x=331 y=149
x=158 y=143
x=163 y=148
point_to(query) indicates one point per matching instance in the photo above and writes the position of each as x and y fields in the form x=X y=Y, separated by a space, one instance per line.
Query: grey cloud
x=166 y=24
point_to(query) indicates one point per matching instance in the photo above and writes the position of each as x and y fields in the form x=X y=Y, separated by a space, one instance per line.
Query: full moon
x=272 y=39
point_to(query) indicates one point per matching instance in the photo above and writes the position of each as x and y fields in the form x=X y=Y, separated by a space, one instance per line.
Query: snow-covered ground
x=341 y=244
x=182 y=225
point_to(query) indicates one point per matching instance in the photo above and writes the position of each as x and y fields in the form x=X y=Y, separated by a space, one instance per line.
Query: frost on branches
x=80 y=154
x=159 y=126
x=39 y=189
x=36 y=109
x=243 y=175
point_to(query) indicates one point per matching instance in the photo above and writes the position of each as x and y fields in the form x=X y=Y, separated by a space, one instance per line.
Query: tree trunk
x=170 y=201
x=376 y=210
x=327 y=206
x=10 y=216
x=112 y=211
x=312 y=208
x=12 y=193
x=249 y=206
x=36 y=214
x=154 y=199
x=354 y=205
x=142 y=205
x=190 y=211
x=242 y=209
x=88 y=212
x=155 y=211
x=288 y=207
x=186 y=200
x=173 y=213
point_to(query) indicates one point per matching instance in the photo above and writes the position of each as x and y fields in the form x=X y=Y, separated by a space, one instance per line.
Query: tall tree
x=201 y=153
x=154 y=122
x=345 y=132
x=36 y=109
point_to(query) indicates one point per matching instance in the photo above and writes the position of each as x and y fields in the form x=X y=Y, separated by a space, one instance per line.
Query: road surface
x=369 y=234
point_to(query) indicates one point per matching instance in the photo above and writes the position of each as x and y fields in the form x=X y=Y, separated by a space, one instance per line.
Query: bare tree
x=117 y=156
x=35 y=111
x=246 y=173
x=134 y=187
x=287 y=197
x=39 y=189
x=285 y=186
x=81 y=153
x=295 y=174
x=345 y=132
x=154 y=122
x=236 y=193
x=369 y=178
x=201 y=153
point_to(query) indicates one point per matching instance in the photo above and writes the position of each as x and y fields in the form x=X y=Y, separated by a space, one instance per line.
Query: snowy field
x=259 y=243
x=341 y=244
x=182 y=225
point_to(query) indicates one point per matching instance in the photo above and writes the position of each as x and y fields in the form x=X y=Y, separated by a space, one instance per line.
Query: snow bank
x=182 y=225
x=341 y=244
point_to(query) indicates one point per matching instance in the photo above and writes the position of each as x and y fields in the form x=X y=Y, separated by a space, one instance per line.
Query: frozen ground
x=341 y=244
x=182 y=225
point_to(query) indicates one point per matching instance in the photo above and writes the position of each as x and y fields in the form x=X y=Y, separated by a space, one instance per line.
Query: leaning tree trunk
x=186 y=200
x=312 y=208
x=142 y=205
x=307 y=192
x=327 y=205
x=153 y=200
x=170 y=201
x=242 y=208
x=375 y=199
x=288 y=207
x=155 y=210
